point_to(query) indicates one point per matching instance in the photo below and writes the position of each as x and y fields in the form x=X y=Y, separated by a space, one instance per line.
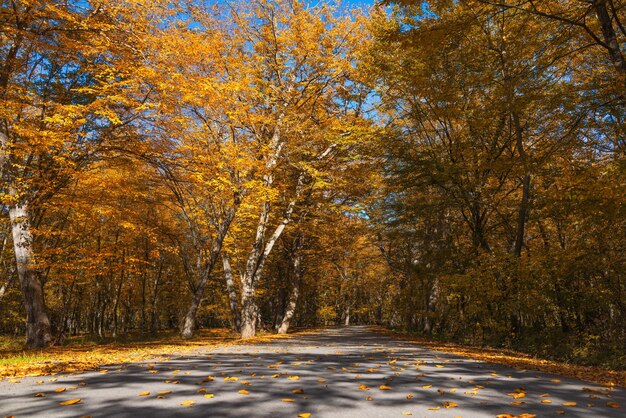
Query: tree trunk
x=196 y=299
x=523 y=208
x=232 y=294
x=293 y=295
x=37 y=322
x=610 y=37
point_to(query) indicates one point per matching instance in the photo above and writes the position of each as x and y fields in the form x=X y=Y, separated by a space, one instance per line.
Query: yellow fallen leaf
x=59 y=390
x=188 y=403
x=70 y=402
x=439 y=366
x=293 y=378
x=244 y=392
x=435 y=408
x=407 y=413
x=569 y=404
x=321 y=380
x=39 y=382
x=363 y=387
x=384 y=387
x=164 y=392
x=369 y=398
x=40 y=395
x=209 y=395
x=450 y=404
x=143 y=394
x=518 y=403
x=297 y=391
x=526 y=416
x=546 y=401
x=304 y=415
x=505 y=416
x=287 y=400
x=208 y=379
x=613 y=405
x=409 y=396
x=202 y=390
x=555 y=381
x=517 y=395
x=427 y=386
x=231 y=379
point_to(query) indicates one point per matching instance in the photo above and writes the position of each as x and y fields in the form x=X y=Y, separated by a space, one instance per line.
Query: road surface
x=339 y=372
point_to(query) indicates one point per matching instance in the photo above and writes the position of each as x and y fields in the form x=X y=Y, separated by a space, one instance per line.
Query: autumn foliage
x=454 y=169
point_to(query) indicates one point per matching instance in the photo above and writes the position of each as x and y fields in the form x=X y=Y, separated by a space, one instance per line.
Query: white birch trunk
x=37 y=322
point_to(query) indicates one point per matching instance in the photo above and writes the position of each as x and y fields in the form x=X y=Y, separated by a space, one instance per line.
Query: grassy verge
x=88 y=354
x=517 y=360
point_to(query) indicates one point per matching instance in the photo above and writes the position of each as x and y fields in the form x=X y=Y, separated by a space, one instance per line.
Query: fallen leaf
x=143 y=394
x=450 y=404
x=613 y=405
x=209 y=395
x=427 y=386
x=518 y=403
x=409 y=396
x=165 y=392
x=59 y=390
x=555 y=381
x=304 y=415
x=363 y=387
x=40 y=395
x=569 y=404
x=435 y=408
x=384 y=387
x=407 y=413
x=298 y=391
x=244 y=392
x=293 y=378
x=369 y=398
x=188 y=403
x=287 y=400
x=70 y=402
x=546 y=401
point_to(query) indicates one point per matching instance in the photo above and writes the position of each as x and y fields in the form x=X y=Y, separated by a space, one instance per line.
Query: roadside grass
x=88 y=353
x=515 y=359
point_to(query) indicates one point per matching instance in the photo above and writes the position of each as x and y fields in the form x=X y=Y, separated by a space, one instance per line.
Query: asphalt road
x=334 y=373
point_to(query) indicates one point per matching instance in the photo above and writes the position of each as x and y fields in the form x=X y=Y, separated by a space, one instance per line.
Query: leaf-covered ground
x=520 y=360
x=341 y=372
x=82 y=356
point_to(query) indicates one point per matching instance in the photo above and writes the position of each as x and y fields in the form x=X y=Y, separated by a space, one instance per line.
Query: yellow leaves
x=448 y=404
x=409 y=396
x=231 y=379
x=569 y=403
x=613 y=405
x=369 y=398
x=287 y=400
x=69 y=402
x=40 y=395
x=321 y=380
x=427 y=386
x=143 y=394
x=188 y=403
x=407 y=413
x=164 y=392
x=293 y=378
x=384 y=387
x=304 y=415
x=209 y=395
x=244 y=392
x=208 y=379
x=517 y=395
x=546 y=401
x=439 y=366
x=297 y=391
x=434 y=408
x=363 y=387
x=59 y=390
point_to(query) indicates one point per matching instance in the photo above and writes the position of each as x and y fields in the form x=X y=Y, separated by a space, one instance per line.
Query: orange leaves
x=244 y=392
x=69 y=402
x=384 y=387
